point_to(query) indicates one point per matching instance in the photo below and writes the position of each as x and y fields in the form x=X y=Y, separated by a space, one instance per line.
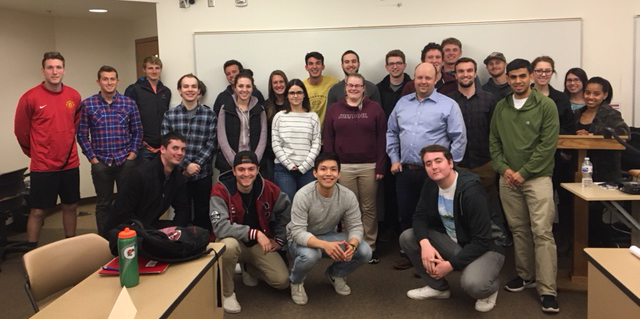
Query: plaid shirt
x=200 y=133
x=477 y=112
x=115 y=128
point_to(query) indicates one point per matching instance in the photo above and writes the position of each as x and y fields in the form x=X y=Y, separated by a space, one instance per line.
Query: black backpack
x=171 y=244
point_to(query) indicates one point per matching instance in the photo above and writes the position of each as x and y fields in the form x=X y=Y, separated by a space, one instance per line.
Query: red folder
x=145 y=267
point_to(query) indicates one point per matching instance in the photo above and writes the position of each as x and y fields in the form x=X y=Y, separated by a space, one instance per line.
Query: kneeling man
x=249 y=215
x=452 y=230
x=316 y=212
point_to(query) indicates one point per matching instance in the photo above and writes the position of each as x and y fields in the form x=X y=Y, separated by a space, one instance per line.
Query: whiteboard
x=263 y=51
x=636 y=75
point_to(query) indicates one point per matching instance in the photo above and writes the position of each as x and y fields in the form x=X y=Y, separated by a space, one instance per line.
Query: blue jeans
x=290 y=181
x=304 y=258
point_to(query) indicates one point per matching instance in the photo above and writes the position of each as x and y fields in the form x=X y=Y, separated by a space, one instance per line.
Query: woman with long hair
x=574 y=82
x=295 y=137
x=595 y=118
x=274 y=104
x=242 y=123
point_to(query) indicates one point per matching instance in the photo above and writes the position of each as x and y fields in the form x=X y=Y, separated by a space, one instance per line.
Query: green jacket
x=524 y=140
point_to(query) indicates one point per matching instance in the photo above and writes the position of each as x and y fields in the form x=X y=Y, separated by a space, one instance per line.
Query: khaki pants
x=529 y=210
x=361 y=179
x=270 y=267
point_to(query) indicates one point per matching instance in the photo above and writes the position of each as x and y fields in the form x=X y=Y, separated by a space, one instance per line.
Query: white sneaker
x=231 y=304
x=298 y=295
x=249 y=280
x=339 y=284
x=238 y=269
x=427 y=292
x=486 y=304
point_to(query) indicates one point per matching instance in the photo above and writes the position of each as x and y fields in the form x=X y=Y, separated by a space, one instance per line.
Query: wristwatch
x=355 y=248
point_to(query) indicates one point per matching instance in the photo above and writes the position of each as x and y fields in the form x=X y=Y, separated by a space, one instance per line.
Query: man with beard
x=351 y=65
x=522 y=141
x=497 y=84
x=477 y=108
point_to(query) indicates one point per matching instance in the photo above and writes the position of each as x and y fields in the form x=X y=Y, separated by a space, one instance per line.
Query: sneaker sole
x=443 y=296
x=530 y=285
x=550 y=310
x=232 y=311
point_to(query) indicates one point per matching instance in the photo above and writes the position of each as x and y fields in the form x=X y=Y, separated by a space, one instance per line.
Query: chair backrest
x=12 y=183
x=64 y=263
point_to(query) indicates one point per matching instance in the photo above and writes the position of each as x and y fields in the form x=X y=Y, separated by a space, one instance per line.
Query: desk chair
x=12 y=199
x=53 y=267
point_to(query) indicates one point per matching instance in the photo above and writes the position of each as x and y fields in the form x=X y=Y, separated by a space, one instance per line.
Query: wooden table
x=614 y=283
x=185 y=290
x=609 y=197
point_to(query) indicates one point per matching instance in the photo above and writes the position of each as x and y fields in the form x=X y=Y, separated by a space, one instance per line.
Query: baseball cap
x=245 y=157
x=495 y=55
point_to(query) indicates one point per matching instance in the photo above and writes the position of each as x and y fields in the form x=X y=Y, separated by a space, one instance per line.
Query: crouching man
x=316 y=212
x=249 y=215
x=452 y=230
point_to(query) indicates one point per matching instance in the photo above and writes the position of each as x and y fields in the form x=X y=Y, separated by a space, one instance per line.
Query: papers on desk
x=124 y=307
x=145 y=267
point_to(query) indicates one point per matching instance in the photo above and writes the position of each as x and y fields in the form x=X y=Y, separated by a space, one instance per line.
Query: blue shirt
x=200 y=132
x=109 y=132
x=414 y=124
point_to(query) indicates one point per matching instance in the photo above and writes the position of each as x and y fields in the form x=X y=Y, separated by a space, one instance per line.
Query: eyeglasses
x=541 y=71
x=356 y=86
x=296 y=93
x=395 y=63
x=572 y=80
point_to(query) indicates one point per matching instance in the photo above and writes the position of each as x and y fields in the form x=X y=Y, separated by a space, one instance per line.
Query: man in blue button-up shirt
x=420 y=119
x=110 y=134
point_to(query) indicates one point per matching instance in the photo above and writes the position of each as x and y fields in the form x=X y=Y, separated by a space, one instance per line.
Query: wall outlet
x=212 y=3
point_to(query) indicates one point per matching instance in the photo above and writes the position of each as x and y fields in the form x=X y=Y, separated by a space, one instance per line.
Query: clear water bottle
x=587 y=173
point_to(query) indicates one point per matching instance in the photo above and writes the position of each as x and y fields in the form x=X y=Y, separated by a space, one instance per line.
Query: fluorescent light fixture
x=98 y=10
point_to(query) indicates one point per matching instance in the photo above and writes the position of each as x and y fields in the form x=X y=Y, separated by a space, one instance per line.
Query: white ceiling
x=118 y=10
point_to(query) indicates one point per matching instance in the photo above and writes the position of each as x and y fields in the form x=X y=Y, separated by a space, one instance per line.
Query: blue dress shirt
x=414 y=124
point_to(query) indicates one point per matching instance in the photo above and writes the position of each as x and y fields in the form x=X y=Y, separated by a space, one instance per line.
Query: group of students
x=352 y=132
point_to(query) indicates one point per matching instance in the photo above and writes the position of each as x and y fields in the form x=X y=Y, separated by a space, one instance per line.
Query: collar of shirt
x=434 y=97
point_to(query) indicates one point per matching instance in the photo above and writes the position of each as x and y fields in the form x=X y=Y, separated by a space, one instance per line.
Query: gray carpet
x=378 y=291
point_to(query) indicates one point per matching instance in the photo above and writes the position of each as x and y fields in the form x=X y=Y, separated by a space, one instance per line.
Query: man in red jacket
x=45 y=126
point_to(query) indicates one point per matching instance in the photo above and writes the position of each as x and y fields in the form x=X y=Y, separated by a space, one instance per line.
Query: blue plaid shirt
x=200 y=133
x=109 y=132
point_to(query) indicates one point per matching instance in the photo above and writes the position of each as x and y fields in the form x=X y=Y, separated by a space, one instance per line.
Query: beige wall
x=607 y=26
x=86 y=45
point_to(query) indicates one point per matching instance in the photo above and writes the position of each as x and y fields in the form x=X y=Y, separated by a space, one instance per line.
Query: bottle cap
x=127 y=233
x=586 y=158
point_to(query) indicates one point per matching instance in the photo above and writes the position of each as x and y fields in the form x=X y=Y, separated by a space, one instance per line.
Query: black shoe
x=549 y=304
x=519 y=284
x=374 y=258
x=402 y=264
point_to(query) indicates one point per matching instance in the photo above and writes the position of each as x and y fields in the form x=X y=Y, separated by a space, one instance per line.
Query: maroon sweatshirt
x=357 y=136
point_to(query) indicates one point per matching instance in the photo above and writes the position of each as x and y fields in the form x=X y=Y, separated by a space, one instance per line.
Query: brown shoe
x=402 y=264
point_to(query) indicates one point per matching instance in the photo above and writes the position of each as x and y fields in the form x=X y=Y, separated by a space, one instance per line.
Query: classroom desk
x=185 y=290
x=609 y=197
x=614 y=283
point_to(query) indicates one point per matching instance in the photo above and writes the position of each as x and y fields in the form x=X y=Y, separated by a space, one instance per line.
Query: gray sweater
x=312 y=214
